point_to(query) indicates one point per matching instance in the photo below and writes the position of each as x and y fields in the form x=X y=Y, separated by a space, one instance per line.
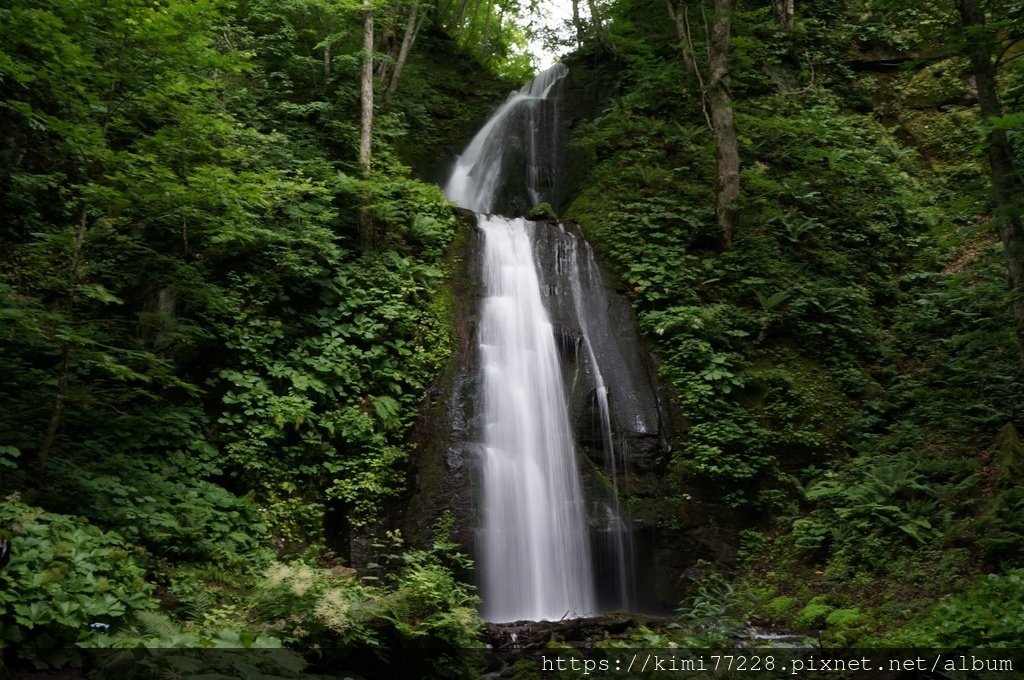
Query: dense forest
x=230 y=288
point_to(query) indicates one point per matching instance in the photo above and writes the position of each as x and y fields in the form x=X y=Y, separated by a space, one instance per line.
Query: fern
x=157 y=625
x=197 y=604
x=1008 y=456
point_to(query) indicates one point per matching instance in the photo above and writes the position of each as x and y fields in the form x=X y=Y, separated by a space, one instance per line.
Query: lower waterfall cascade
x=537 y=561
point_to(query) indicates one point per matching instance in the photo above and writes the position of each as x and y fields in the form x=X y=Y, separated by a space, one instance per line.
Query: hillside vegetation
x=208 y=372
x=847 y=371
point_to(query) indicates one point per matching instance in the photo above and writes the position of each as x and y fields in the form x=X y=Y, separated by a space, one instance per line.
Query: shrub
x=67 y=581
x=813 y=615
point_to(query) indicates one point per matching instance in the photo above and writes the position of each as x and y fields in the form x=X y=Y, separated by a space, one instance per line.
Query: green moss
x=542 y=211
x=778 y=606
x=813 y=615
x=845 y=618
x=845 y=627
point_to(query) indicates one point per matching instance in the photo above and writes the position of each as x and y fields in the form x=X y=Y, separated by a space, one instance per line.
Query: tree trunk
x=56 y=413
x=689 y=54
x=595 y=18
x=412 y=29
x=581 y=31
x=366 y=90
x=366 y=228
x=327 y=60
x=716 y=102
x=384 y=39
x=1007 y=185
x=785 y=11
x=727 y=154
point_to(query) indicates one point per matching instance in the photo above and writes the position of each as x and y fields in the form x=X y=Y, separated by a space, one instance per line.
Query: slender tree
x=785 y=12
x=1007 y=184
x=716 y=100
x=366 y=229
x=412 y=28
x=727 y=153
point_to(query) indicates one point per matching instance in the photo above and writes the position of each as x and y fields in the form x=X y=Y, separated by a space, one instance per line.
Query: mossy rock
x=777 y=607
x=834 y=600
x=542 y=211
x=813 y=615
x=846 y=618
x=844 y=627
x=935 y=85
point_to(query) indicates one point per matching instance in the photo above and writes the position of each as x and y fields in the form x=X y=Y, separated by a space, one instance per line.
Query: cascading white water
x=535 y=558
x=618 y=531
x=477 y=177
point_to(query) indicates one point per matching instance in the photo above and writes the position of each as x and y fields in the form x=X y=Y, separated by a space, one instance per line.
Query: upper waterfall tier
x=512 y=153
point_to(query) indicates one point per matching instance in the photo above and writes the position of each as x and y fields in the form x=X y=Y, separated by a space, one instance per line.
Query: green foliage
x=715 y=614
x=419 y=605
x=482 y=29
x=183 y=307
x=969 y=619
x=885 y=506
x=332 y=391
x=819 y=244
x=810 y=537
x=429 y=606
x=67 y=581
x=214 y=308
x=196 y=361
x=542 y=211
x=813 y=615
x=848 y=368
x=999 y=528
x=315 y=605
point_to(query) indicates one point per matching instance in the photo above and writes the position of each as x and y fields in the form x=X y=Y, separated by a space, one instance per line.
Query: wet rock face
x=583 y=304
x=589 y=424
x=441 y=474
x=568 y=342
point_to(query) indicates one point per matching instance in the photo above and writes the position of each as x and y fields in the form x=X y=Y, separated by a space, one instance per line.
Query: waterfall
x=483 y=169
x=619 y=535
x=535 y=558
x=534 y=547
